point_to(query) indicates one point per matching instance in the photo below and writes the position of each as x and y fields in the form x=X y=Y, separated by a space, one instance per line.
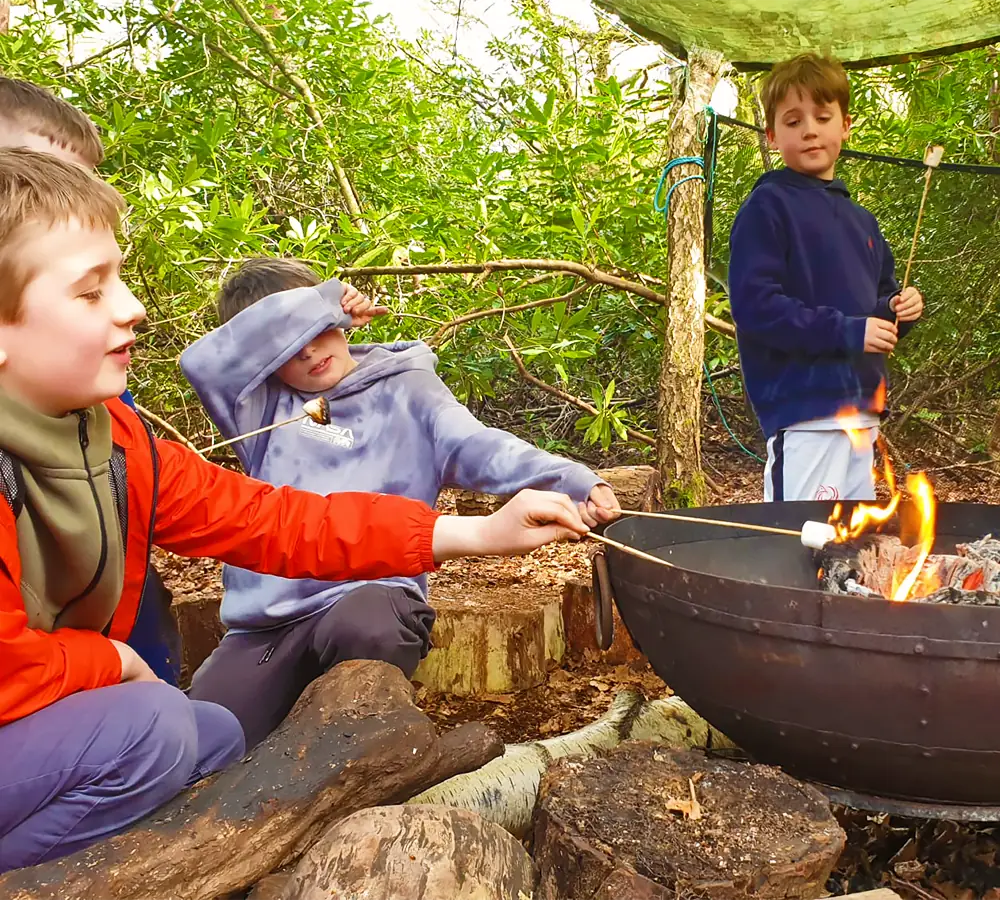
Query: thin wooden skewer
x=625 y=548
x=318 y=410
x=768 y=529
x=932 y=159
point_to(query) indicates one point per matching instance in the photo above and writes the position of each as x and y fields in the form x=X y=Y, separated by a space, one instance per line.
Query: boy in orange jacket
x=91 y=740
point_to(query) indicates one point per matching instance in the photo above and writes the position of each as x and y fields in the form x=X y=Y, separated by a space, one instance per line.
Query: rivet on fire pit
x=783 y=733
x=923 y=723
x=927 y=754
x=919 y=648
x=855 y=745
x=828 y=637
x=834 y=760
x=924 y=689
x=756 y=627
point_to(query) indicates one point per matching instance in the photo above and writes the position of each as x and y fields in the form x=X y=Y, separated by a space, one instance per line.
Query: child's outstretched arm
x=471 y=456
x=760 y=306
x=229 y=367
x=206 y=510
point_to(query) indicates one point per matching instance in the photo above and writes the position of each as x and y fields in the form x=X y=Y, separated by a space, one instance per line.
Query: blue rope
x=722 y=415
x=664 y=205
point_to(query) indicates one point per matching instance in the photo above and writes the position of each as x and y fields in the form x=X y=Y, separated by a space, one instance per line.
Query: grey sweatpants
x=259 y=675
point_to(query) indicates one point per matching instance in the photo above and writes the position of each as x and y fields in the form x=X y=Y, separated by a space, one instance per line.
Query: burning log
x=696 y=826
x=874 y=564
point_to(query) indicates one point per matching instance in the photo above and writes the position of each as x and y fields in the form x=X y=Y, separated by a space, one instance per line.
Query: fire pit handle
x=604 y=624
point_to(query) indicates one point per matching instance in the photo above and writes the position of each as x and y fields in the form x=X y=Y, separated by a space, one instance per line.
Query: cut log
x=696 y=825
x=414 y=853
x=625 y=882
x=880 y=894
x=505 y=790
x=200 y=629
x=578 y=616
x=353 y=740
x=493 y=641
x=637 y=487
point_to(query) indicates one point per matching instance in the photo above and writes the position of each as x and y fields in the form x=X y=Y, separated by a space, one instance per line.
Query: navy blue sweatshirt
x=807 y=267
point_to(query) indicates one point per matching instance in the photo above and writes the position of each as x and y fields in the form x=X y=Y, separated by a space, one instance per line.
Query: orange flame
x=868 y=516
x=917 y=582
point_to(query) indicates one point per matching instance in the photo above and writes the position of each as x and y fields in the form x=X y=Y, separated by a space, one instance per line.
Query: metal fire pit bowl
x=889 y=705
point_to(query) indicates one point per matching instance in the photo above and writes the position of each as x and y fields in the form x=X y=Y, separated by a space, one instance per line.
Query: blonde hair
x=39 y=189
x=821 y=77
x=41 y=112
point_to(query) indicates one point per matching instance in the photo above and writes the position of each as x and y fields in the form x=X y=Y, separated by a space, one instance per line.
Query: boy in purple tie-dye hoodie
x=395 y=428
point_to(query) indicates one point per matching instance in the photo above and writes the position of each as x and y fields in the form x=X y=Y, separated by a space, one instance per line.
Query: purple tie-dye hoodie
x=395 y=429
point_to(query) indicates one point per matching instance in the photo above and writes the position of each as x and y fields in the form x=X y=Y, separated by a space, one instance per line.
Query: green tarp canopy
x=753 y=34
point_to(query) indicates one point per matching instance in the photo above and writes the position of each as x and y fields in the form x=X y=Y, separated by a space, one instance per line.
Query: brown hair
x=41 y=112
x=821 y=77
x=257 y=279
x=40 y=189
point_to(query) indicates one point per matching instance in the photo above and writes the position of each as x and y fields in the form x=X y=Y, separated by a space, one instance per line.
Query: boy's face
x=70 y=347
x=808 y=134
x=320 y=365
x=15 y=136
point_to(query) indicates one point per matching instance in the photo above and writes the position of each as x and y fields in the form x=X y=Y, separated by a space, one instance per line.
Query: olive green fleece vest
x=68 y=534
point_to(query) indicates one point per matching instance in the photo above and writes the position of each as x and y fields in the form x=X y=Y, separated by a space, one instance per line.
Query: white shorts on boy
x=819 y=460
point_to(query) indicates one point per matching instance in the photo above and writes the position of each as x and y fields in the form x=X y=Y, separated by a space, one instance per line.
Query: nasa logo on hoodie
x=330 y=434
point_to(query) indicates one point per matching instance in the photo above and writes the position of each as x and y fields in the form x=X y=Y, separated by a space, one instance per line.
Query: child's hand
x=530 y=520
x=908 y=306
x=359 y=307
x=880 y=335
x=602 y=506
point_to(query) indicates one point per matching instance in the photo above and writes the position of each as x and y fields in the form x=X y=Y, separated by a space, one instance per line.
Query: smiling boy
x=814 y=296
x=91 y=740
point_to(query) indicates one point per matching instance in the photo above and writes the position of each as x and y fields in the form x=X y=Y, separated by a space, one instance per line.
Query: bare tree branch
x=595 y=276
x=568 y=398
x=216 y=48
x=347 y=191
x=918 y=404
x=454 y=324
x=167 y=427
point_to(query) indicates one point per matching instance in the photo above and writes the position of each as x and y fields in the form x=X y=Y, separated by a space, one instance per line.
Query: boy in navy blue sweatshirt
x=814 y=296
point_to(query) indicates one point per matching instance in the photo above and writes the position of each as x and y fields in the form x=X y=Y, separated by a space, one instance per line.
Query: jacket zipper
x=84 y=438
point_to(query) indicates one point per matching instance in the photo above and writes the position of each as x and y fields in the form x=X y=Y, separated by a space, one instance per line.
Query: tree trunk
x=698 y=826
x=414 y=852
x=353 y=740
x=679 y=431
x=4 y=16
x=579 y=626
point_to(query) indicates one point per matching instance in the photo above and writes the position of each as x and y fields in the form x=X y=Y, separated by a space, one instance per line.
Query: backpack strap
x=11 y=482
x=12 y=485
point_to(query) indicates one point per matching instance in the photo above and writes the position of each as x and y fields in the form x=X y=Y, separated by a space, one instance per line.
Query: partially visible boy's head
x=32 y=117
x=807 y=103
x=66 y=318
x=326 y=359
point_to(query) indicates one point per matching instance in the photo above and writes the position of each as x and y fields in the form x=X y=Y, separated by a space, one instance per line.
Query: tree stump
x=353 y=740
x=578 y=616
x=698 y=826
x=413 y=853
x=200 y=629
x=491 y=640
x=637 y=487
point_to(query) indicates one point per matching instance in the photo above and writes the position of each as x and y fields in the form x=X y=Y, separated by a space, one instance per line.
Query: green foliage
x=210 y=140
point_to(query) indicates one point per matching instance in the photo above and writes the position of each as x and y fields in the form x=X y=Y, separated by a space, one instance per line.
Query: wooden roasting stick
x=932 y=159
x=318 y=410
